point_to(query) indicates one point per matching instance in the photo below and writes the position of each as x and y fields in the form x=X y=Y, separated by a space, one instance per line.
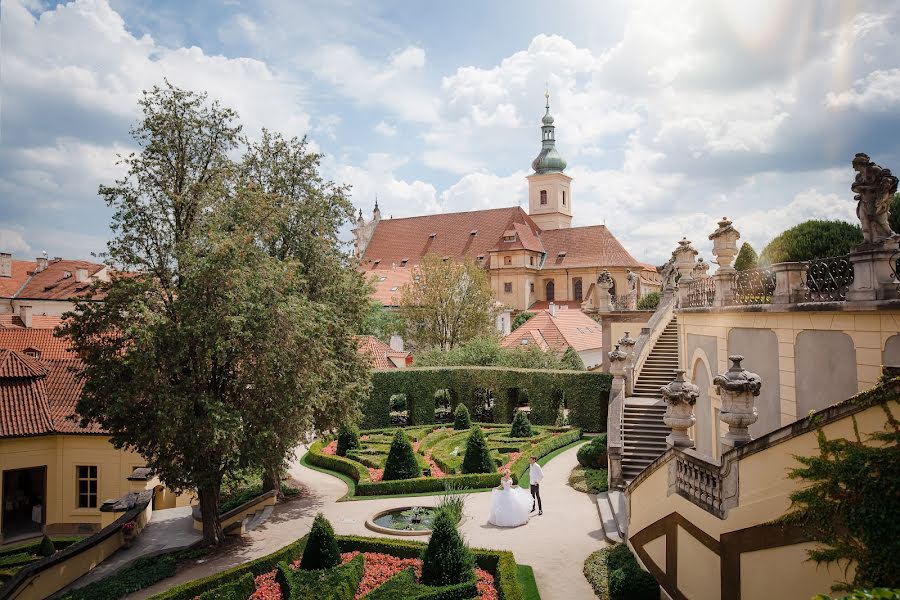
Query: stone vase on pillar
x=680 y=397
x=724 y=240
x=604 y=284
x=737 y=388
x=684 y=256
x=617 y=360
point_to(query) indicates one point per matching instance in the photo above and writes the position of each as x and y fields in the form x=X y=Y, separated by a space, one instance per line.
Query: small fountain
x=406 y=520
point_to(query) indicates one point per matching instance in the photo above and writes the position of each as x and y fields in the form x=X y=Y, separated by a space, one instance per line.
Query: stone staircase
x=611 y=506
x=643 y=431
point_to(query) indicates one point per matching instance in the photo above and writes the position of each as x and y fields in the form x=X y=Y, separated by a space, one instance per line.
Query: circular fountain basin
x=405 y=520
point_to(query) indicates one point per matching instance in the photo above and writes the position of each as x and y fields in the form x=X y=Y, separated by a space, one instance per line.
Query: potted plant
x=128 y=533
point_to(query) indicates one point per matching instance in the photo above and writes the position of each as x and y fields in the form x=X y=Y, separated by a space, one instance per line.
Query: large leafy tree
x=746 y=258
x=812 y=239
x=446 y=303
x=225 y=344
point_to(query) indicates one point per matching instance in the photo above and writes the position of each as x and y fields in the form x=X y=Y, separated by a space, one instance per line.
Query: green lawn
x=525 y=575
x=589 y=481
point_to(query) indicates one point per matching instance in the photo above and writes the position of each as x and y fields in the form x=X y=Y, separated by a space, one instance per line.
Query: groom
x=535 y=476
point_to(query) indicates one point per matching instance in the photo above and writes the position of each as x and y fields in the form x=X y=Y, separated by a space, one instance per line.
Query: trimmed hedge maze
x=584 y=393
x=439 y=451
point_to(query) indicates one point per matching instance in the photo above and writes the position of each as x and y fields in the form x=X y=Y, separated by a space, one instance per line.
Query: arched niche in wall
x=891 y=355
x=825 y=363
x=703 y=410
x=759 y=347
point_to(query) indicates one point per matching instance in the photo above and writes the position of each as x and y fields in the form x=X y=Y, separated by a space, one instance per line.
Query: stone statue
x=669 y=274
x=874 y=188
x=632 y=279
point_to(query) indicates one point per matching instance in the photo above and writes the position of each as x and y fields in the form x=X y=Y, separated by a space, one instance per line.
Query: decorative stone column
x=790 y=282
x=604 y=284
x=614 y=448
x=680 y=397
x=874 y=259
x=725 y=248
x=617 y=360
x=684 y=257
x=627 y=343
x=737 y=388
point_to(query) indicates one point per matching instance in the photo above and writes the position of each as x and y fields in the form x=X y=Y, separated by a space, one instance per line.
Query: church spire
x=549 y=160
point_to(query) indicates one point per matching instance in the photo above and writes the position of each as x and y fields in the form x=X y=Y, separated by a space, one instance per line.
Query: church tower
x=549 y=189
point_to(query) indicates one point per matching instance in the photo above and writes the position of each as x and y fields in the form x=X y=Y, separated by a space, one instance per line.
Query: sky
x=670 y=115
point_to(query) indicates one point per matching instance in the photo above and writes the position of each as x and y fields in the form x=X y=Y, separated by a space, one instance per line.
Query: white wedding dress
x=510 y=506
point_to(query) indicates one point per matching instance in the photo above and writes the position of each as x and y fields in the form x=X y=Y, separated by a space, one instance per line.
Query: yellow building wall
x=61 y=454
x=869 y=332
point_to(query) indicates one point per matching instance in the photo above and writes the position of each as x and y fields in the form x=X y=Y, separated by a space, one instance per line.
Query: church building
x=532 y=258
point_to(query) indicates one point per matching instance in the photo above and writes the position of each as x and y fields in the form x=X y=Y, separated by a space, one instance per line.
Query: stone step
x=608 y=519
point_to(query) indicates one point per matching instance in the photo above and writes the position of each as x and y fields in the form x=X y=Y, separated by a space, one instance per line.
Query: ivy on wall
x=584 y=393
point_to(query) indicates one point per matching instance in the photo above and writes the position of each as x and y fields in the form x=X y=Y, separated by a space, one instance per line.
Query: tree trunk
x=271 y=480
x=209 y=509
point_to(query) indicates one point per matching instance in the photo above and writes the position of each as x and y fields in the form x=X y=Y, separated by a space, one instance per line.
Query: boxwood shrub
x=615 y=574
x=417 y=485
x=241 y=589
x=350 y=468
x=544 y=448
x=339 y=583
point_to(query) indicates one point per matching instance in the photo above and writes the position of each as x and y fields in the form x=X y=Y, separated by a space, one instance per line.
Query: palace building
x=533 y=258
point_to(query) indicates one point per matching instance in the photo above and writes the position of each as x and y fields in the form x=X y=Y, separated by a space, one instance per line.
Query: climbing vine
x=584 y=393
x=850 y=504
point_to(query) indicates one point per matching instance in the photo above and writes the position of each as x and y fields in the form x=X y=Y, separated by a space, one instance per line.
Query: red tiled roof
x=593 y=246
x=386 y=284
x=21 y=270
x=42 y=340
x=545 y=304
x=411 y=238
x=379 y=352
x=37 y=321
x=63 y=390
x=568 y=328
x=57 y=281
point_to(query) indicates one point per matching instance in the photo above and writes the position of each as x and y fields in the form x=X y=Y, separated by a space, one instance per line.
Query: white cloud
x=385 y=129
x=478 y=191
x=878 y=91
x=12 y=239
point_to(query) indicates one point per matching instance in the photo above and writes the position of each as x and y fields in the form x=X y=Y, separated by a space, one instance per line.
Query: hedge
x=264 y=564
x=32 y=547
x=140 y=574
x=546 y=447
x=427 y=484
x=241 y=589
x=354 y=470
x=339 y=583
x=499 y=563
x=585 y=393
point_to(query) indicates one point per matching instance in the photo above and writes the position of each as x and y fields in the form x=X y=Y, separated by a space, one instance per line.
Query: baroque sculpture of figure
x=874 y=188
x=632 y=279
x=669 y=274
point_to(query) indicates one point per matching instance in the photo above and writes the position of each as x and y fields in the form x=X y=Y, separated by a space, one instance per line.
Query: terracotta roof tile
x=17 y=365
x=21 y=270
x=63 y=391
x=593 y=246
x=24 y=409
x=387 y=284
x=411 y=237
x=58 y=280
x=568 y=328
x=42 y=340
x=37 y=321
x=379 y=352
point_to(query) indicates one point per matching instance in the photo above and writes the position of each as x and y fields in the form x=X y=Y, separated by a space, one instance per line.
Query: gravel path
x=554 y=544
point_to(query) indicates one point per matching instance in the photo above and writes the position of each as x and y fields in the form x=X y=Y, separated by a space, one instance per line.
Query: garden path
x=555 y=544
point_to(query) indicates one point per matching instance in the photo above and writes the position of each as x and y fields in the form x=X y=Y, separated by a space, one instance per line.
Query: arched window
x=549 y=288
x=543 y=197
x=578 y=292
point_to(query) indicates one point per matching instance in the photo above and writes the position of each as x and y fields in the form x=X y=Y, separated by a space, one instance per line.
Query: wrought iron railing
x=620 y=302
x=828 y=279
x=700 y=482
x=754 y=286
x=701 y=292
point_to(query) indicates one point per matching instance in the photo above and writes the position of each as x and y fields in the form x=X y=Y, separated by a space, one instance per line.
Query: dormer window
x=480 y=257
x=32 y=352
x=432 y=235
x=380 y=279
x=473 y=232
x=395 y=288
x=403 y=262
x=523 y=342
x=562 y=254
x=375 y=263
x=543 y=197
x=446 y=258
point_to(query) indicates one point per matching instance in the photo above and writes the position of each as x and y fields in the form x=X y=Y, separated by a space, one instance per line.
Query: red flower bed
x=378 y=569
x=376 y=474
x=435 y=469
x=416 y=445
x=330 y=449
x=364 y=438
x=513 y=457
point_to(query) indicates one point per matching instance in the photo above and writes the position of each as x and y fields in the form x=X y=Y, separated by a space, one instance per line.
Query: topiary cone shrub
x=401 y=460
x=322 y=551
x=446 y=560
x=347 y=439
x=46 y=548
x=478 y=457
x=461 y=418
x=521 y=426
x=593 y=454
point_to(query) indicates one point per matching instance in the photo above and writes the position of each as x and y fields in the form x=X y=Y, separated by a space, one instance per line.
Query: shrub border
x=600 y=585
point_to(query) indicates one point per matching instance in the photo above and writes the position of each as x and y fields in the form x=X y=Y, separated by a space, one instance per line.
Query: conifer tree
x=478 y=456
x=461 y=418
x=401 y=460
x=746 y=258
x=322 y=551
x=348 y=439
x=446 y=560
x=521 y=426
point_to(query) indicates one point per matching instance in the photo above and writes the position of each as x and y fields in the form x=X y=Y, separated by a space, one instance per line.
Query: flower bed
x=385 y=560
x=440 y=451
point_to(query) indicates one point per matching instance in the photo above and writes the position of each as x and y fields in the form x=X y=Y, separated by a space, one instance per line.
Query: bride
x=510 y=505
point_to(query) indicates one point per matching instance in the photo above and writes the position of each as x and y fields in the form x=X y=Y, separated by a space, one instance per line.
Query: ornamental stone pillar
x=617 y=360
x=680 y=397
x=737 y=388
x=627 y=343
x=790 y=282
x=724 y=240
x=684 y=257
x=604 y=284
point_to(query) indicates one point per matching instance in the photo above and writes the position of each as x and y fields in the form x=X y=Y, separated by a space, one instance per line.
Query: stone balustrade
x=699 y=481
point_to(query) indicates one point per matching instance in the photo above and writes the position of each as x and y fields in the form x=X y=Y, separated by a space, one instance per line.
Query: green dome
x=548 y=161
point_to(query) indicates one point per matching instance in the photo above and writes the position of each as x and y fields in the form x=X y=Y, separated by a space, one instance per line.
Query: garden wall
x=585 y=393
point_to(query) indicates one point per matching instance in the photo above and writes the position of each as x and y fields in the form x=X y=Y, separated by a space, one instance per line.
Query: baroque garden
x=701 y=435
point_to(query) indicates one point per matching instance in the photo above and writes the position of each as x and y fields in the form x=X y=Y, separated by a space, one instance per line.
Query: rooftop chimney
x=552 y=310
x=396 y=343
x=41 y=263
x=5 y=264
x=25 y=315
x=81 y=275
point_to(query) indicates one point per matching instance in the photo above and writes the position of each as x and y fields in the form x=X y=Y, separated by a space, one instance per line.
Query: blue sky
x=670 y=115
